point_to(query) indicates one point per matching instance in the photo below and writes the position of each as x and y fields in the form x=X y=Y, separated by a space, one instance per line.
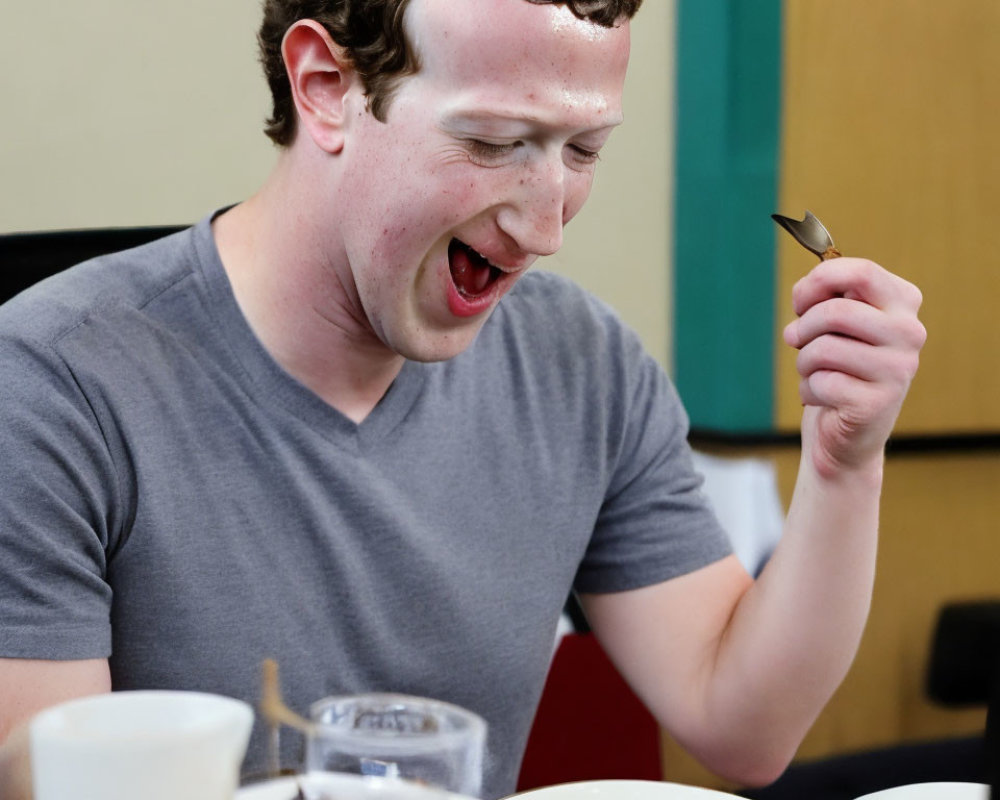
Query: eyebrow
x=488 y=115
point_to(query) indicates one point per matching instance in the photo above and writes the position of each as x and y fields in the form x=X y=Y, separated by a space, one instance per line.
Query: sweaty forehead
x=520 y=45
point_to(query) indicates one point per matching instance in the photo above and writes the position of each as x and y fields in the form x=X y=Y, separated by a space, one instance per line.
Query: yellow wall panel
x=891 y=135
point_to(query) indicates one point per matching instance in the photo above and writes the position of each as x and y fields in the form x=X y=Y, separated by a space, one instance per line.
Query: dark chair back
x=26 y=258
x=965 y=668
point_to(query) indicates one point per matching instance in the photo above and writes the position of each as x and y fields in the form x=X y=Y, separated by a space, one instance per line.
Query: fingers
x=854 y=279
x=857 y=299
x=859 y=359
x=825 y=330
x=835 y=389
x=858 y=335
x=838 y=315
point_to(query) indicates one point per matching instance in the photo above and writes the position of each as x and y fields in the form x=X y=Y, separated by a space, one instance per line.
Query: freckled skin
x=413 y=185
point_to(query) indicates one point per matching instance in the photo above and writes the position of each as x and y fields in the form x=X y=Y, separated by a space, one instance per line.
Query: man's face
x=486 y=153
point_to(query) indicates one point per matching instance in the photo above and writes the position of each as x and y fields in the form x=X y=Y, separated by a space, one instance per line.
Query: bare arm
x=738 y=670
x=26 y=687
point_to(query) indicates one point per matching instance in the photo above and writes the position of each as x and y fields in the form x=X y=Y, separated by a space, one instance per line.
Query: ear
x=320 y=76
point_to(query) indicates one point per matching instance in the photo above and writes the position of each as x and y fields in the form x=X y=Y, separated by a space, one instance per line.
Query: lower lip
x=462 y=306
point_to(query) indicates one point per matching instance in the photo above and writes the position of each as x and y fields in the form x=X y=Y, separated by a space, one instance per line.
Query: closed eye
x=489 y=153
x=583 y=155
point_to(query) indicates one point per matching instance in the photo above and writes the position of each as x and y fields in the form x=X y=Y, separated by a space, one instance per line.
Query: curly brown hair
x=372 y=35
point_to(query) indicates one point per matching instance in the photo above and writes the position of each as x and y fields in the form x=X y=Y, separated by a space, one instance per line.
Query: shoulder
x=555 y=311
x=129 y=279
x=541 y=291
x=558 y=341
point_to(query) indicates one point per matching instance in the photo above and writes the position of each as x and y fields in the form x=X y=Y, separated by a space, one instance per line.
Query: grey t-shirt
x=171 y=499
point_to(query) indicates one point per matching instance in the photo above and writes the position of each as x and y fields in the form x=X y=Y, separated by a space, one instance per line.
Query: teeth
x=484 y=258
x=493 y=265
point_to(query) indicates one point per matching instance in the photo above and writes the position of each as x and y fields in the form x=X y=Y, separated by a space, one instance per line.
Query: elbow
x=748 y=766
x=758 y=774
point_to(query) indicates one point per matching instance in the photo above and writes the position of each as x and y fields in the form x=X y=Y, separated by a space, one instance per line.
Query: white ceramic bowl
x=933 y=791
x=623 y=790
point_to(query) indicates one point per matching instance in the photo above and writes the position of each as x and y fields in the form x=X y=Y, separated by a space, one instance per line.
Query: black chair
x=26 y=258
x=965 y=669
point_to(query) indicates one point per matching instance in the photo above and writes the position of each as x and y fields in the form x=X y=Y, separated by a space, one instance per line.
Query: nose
x=536 y=211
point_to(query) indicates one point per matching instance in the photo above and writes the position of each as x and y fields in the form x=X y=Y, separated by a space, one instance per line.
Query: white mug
x=157 y=745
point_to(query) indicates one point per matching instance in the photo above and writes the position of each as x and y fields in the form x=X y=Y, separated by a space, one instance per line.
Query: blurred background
x=880 y=118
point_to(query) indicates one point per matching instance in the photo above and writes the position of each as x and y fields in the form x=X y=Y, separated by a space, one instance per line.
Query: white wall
x=133 y=112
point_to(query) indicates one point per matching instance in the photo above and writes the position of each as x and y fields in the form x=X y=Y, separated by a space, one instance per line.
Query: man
x=337 y=424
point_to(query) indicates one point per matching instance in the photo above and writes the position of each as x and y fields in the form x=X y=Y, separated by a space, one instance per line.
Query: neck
x=292 y=282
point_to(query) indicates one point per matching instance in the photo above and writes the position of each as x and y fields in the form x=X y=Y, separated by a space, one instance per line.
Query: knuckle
x=808 y=361
x=915 y=334
x=865 y=266
x=841 y=312
x=867 y=275
x=899 y=371
x=821 y=353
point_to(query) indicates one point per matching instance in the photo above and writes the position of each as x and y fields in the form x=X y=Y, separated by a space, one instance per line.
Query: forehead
x=488 y=52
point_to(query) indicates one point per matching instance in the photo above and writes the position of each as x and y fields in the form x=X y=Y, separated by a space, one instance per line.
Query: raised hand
x=859 y=340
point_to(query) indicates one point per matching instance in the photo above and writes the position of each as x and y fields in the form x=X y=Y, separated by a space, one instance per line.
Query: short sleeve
x=58 y=498
x=655 y=522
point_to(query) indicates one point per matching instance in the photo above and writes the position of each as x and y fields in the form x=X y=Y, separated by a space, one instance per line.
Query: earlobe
x=320 y=76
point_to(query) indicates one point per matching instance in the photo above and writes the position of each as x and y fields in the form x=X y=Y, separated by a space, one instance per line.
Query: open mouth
x=472 y=274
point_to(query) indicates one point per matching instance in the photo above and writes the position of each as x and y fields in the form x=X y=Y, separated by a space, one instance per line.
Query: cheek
x=415 y=205
x=577 y=192
x=442 y=201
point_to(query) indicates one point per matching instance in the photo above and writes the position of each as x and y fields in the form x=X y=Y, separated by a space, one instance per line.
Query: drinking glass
x=399 y=736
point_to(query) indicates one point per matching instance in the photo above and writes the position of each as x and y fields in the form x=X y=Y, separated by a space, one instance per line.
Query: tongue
x=470 y=272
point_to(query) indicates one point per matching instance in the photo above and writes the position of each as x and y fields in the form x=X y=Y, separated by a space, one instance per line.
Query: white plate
x=933 y=791
x=341 y=787
x=622 y=790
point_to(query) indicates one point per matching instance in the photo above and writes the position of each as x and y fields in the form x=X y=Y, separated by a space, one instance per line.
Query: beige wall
x=128 y=112
x=621 y=245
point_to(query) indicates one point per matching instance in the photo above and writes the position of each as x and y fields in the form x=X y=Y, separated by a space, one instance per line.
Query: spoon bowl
x=810 y=233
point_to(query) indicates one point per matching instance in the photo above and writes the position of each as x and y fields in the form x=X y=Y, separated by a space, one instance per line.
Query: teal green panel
x=728 y=124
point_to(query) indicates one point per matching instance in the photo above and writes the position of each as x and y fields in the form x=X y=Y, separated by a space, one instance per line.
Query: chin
x=431 y=354
x=430 y=347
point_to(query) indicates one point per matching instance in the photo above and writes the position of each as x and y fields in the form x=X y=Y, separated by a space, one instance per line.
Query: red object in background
x=589 y=724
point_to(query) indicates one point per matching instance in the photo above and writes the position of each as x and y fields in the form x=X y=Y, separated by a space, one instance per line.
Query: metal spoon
x=272 y=706
x=809 y=233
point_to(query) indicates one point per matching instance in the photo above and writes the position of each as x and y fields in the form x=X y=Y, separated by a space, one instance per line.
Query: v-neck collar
x=271 y=385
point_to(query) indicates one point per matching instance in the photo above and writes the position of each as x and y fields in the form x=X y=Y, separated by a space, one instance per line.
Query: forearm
x=738 y=669
x=15 y=768
x=795 y=632
x=26 y=687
